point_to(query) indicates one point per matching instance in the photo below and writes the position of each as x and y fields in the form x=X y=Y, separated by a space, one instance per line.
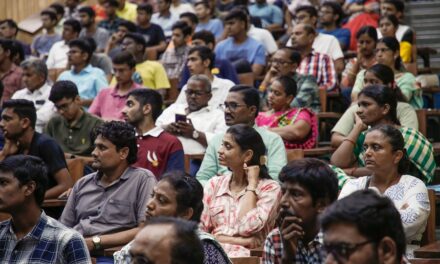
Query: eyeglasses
x=282 y=62
x=195 y=93
x=63 y=107
x=342 y=251
x=230 y=106
x=382 y=50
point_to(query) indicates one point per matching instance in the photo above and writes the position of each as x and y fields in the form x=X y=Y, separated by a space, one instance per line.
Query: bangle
x=349 y=140
x=251 y=190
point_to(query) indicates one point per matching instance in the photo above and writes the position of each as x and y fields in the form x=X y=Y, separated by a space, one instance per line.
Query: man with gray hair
x=37 y=91
x=194 y=122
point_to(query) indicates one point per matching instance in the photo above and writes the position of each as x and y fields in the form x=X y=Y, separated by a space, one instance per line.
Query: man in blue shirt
x=271 y=15
x=88 y=79
x=330 y=17
x=206 y=22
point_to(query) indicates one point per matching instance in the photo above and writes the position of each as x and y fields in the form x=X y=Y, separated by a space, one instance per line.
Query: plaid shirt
x=306 y=254
x=48 y=242
x=320 y=66
x=110 y=25
x=173 y=61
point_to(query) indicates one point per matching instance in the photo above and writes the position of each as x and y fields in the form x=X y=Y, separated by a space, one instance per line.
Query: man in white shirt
x=201 y=61
x=37 y=90
x=194 y=122
x=164 y=17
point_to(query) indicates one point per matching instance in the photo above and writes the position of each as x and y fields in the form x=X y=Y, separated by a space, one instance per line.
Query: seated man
x=201 y=61
x=164 y=17
x=330 y=17
x=158 y=151
x=270 y=14
x=110 y=101
x=90 y=28
x=114 y=45
x=167 y=240
x=18 y=124
x=31 y=236
x=363 y=228
x=309 y=186
x=37 y=90
x=42 y=43
x=11 y=74
x=241 y=107
x=206 y=21
x=108 y=206
x=153 y=33
x=9 y=30
x=112 y=21
x=73 y=126
x=88 y=79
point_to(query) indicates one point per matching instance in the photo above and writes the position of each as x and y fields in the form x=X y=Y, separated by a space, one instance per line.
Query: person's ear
x=77 y=100
x=146 y=109
x=29 y=188
x=398 y=155
x=290 y=98
x=387 y=251
x=84 y=55
x=25 y=122
x=187 y=214
x=386 y=109
x=321 y=204
x=253 y=111
x=210 y=46
x=123 y=153
x=248 y=154
x=206 y=63
x=314 y=20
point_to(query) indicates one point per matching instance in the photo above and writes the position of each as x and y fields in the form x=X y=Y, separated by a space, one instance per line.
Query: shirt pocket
x=218 y=215
x=120 y=212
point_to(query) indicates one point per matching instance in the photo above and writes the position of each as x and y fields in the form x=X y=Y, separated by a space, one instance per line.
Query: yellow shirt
x=153 y=75
x=128 y=13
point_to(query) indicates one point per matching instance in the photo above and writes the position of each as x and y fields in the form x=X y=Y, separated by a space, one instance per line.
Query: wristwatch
x=195 y=134
x=96 y=242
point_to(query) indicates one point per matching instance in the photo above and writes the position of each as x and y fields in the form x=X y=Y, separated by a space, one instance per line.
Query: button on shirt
x=40 y=97
x=94 y=209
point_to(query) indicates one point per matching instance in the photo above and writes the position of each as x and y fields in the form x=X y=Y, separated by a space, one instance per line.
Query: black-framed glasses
x=231 y=106
x=196 y=93
x=342 y=251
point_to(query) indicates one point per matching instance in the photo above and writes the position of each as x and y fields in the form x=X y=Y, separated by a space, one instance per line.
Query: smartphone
x=180 y=117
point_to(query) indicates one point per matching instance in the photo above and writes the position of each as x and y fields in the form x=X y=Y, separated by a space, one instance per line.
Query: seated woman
x=385 y=156
x=377 y=106
x=387 y=53
x=298 y=127
x=376 y=74
x=179 y=195
x=240 y=208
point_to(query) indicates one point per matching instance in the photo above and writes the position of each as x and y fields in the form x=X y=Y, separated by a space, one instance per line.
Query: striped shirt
x=321 y=67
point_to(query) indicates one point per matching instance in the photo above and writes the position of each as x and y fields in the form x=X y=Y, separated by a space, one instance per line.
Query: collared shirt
x=208 y=120
x=321 y=67
x=89 y=81
x=173 y=61
x=219 y=88
x=73 y=138
x=109 y=103
x=57 y=58
x=276 y=156
x=40 y=97
x=110 y=25
x=166 y=22
x=11 y=82
x=221 y=211
x=129 y=12
x=311 y=253
x=48 y=242
x=159 y=152
x=94 y=209
x=308 y=92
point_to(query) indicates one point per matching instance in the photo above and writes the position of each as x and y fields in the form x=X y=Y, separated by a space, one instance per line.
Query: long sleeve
x=276 y=156
x=210 y=166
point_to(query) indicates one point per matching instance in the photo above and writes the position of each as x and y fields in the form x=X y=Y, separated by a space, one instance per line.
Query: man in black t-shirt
x=152 y=33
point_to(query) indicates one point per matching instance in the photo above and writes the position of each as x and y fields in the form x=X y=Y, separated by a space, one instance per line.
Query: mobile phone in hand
x=180 y=117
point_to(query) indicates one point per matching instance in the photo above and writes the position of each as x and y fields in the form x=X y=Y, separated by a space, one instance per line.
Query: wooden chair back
x=173 y=92
x=246 y=260
x=429 y=234
x=189 y=157
x=246 y=78
x=294 y=154
x=76 y=168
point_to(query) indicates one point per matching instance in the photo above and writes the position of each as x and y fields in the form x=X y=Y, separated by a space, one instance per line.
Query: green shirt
x=75 y=139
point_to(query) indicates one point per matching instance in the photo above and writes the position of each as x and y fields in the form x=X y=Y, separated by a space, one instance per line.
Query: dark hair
x=145 y=7
x=392 y=18
x=59 y=8
x=183 y=26
x=17 y=50
x=204 y=53
x=84 y=46
x=399 y=5
x=136 y=37
x=39 y=66
x=337 y=10
x=186 y=245
x=374 y=216
x=238 y=14
x=386 y=75
x=76 y=26
x=121 y=134
x=383 y=95
x=397 y=142
x=87 y=10
x=51 y=14
x=8 y=44
x=393 y=45
x=91 y=41
x=369 y=30
x=202 y=2
x=204 y=35
x=131 y=27
x=288 y=84
x=125 y=57
x=250 y=95
x=314 y=175
x=311 y=10
x=113 y=3
x=11 y=23
x=189 y=192
x=23 y=108
x=294 y=55
x=63 y=89
x=191 y=17
x=28 y=168
x=248 y=138
x=151 y=97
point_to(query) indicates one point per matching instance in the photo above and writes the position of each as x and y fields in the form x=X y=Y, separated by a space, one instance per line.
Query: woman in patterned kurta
x=385 y=156
x=240 y=208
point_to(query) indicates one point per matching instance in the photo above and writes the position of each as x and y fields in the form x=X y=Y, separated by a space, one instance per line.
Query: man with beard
x=158 y=150
x=108 y=206
x=18 y=124
x=91 y=29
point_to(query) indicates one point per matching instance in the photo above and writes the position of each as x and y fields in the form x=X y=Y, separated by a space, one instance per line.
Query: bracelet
x=251 y=190
x=349 y=140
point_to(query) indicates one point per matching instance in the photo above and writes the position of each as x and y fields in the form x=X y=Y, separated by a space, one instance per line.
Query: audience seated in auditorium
x=59 y=10
x=309 y=186
x=73 y=126
x=10 y=74
x=330 y=17
x=206 y=21
x=126 y=10
x=114 y=45
x=153 y=33
x=179 y=8
x=241 y=107
x=108 y=206
x=9 y=30
x=100 y=60
x=164 y=17
x=158 y=151
x=71 y=9
x=270 y=14
x=112 y=21
x=42 y=43
x=90 y=28
x=18 y=125
x=28 y=235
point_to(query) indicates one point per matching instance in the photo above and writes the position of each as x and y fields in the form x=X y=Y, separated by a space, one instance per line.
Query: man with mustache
x=308 y=186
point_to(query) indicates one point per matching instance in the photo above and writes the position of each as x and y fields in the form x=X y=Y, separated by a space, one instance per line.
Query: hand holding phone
x=180 y=117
